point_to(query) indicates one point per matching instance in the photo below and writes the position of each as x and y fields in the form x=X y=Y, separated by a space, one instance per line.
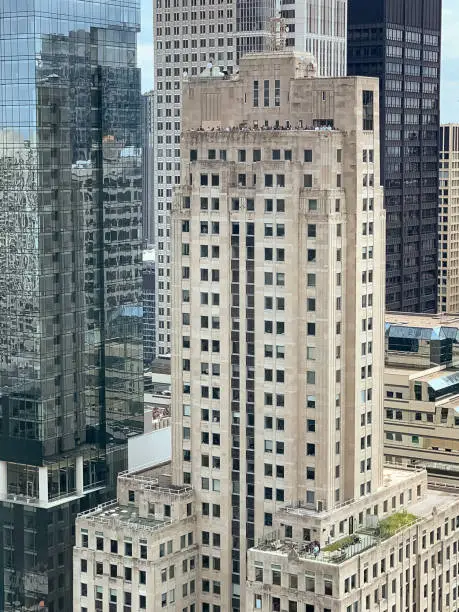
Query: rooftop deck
x=116 y=515
x=305 y=550
x=365 y=536
x=286 y=128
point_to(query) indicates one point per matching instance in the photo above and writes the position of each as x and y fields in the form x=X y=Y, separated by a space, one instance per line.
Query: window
x=368 y=111
x=310 y=583
x=255 y=93
x=266 y=93
x=277 y=92
x=312 y=230
x=276 y=575
x=308 y=155
x=307 y=181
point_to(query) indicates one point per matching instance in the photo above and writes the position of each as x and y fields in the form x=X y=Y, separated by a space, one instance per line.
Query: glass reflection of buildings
x=70 y=279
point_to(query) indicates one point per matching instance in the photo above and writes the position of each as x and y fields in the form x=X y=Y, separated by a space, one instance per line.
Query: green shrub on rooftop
x=339 y=544
x=395 y=522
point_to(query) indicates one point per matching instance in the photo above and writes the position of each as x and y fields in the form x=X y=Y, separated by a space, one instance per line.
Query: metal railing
x=152 y=483
x=99 y=508
x=364 y=541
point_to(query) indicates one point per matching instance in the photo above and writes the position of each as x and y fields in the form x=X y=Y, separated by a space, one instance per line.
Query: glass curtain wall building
x=70 y=278
x=399 y=42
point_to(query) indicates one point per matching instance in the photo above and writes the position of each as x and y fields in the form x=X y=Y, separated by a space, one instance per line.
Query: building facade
x=140 y=551
x=149 y=308
x=148 y=110
x=187 y=39
x=448 y=220
x=319 y=28
x=421 y=394
x=70 y=279
x=278 y=498
x=389 y=551
x=276 y=187
x=399 y=42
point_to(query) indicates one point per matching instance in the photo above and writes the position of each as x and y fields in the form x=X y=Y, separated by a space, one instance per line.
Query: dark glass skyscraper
x=399 y=41
x=70 y=278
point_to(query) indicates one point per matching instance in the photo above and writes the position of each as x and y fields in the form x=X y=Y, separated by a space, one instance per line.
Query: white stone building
x=395 y=550
x=277 y=298
x=278 y=360
x=138 y=552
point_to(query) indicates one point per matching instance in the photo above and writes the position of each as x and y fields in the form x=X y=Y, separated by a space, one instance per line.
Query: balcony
x=345 y=548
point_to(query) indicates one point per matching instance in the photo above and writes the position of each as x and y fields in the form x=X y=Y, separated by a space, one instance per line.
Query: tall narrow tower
x=278 y=233
x=448 y=246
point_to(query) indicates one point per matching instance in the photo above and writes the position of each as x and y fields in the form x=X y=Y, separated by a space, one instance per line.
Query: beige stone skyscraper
x=448 y=220
x=278 y=280
x=278 y=498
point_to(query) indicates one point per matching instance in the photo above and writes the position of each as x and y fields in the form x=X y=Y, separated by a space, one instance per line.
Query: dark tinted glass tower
x=399 y=41
x=70 y=278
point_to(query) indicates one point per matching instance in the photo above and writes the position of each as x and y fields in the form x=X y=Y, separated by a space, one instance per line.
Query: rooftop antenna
x=278 y=31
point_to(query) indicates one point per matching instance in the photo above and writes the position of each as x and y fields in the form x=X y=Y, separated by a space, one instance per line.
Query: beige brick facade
x=413 y=568
x=278 y=277
x=278 y=491
x=138 y=552
x=421 y=394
